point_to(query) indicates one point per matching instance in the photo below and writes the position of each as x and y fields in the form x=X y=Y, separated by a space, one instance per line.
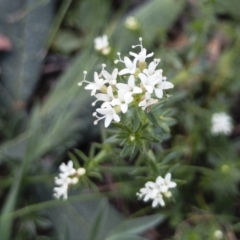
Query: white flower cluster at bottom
x=68 y=175
x=155 y=191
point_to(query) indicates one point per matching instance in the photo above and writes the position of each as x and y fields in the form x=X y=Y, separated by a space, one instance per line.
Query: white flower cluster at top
x=68 y=176
x=155 y=191
x=142 y=86
x=221 y=124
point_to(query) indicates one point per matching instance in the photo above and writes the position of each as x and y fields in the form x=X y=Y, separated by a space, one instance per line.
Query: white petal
x=124 y=108
x=123 y=86
x=143 y=78
x=168 y=177
x=159 y=92
x=116 y=117
x=128 y=63
x=131 y=81
x=166 y=85
x=159 y=180
x=124 y=71
x=106 y=75
x=137 y=90
x=108 y=120
x=103 y=97
x=149 y=88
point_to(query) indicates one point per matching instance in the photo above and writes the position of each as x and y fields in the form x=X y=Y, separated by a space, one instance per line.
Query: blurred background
x=45 y=45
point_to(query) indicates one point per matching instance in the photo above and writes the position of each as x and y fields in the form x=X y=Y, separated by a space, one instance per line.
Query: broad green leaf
x=20 y=69
x=138 y=225
x=98 y=222
x=126 y=237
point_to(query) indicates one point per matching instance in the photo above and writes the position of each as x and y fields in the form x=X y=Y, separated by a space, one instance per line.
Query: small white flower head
x=156 y=191
x=110 y=78
x=132 y=23
x=67 y=169
x=130 y=66
x=123 y=100
x=168 y=182
x=158 y=200
x=130 y=87
x=101 y=44
x=109 y=114
x=152 y=66
x=221 y=124
x=68 y=176
x=148 y=82
x=218 y=234
x=142 y=55
x=148 y=192
x=94 y=86
x=106 y=98
x=161 y=85
x=147 y=101
x=61 y=191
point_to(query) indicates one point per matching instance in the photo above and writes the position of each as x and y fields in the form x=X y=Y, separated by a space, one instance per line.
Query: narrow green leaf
x=6 y=225
x=81 y=155
x=126 y=150
x=136 y=120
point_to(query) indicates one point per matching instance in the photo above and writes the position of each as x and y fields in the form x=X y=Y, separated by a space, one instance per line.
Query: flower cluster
x=68 y=176
x=221 y=124
x=155 y=191
x=101 y=44
x=141 y=86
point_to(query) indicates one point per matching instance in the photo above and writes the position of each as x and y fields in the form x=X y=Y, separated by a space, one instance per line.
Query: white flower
x=168 y=182
x=147 y=101
x=131 y=23
x=158 y=200
x=155 y=82
x=111 y=78
x=160 y=184
x=151 y=68
x=124 y=98
x=106 y=98
x=221 y=124
x=94 y=86
x=61 y=191
x=161 y=85
x=141 y=57
x=68 y=176
x=148 y=82
x=155 y=191
x=131 y=66
x=108 y=113
x=218 y=234
x=101 y=44
x=67 y=169
x=148 y=192
x=130 y=87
